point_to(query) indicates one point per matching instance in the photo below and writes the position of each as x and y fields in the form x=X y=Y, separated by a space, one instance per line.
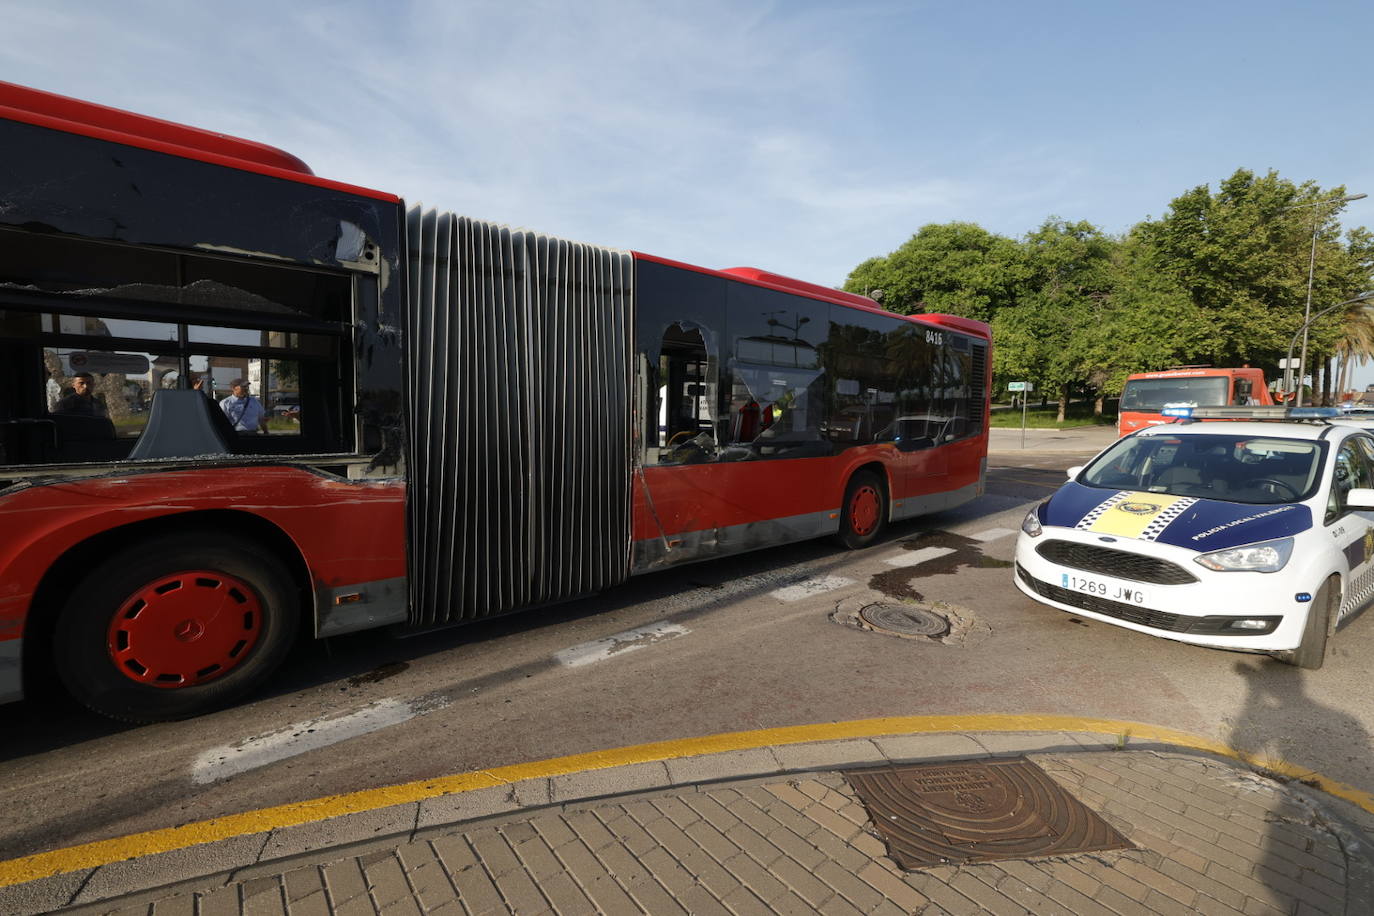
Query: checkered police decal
x=1093 y=515
x=1162 y=520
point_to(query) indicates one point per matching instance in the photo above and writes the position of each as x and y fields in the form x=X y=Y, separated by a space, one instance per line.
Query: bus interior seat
x=184 y=424
x=81 y=437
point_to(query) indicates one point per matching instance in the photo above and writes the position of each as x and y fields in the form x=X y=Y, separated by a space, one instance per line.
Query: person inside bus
x=243 y=410
x=81 y=402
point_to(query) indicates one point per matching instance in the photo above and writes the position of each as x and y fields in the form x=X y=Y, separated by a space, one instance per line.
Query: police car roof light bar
x=1186 y=414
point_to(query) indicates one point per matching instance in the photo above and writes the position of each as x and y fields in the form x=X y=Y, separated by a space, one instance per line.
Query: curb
x=272 y=833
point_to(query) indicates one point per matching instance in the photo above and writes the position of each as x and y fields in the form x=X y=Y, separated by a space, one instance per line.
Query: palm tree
x=1356 y=340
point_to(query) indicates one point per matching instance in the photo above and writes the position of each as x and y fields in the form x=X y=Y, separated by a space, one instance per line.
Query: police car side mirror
x=1360 y=498
x=1074 y=471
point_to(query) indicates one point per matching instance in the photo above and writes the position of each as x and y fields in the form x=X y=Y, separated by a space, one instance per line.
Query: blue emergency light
x=1251 y=413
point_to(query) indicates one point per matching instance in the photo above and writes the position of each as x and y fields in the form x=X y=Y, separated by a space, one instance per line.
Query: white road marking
x=231 y=759
x=991 y=534
x=808 y=587
x=599 y=650
x=913 y=557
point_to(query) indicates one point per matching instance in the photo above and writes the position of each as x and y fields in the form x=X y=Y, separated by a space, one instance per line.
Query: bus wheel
x=167 y=629
x=864 y=513
x=1311 y=653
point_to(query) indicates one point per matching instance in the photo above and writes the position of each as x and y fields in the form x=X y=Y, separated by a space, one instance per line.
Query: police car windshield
x=1243 y=469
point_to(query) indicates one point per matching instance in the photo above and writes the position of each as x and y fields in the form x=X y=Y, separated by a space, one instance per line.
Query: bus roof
x=758 y=277
x=59 y=112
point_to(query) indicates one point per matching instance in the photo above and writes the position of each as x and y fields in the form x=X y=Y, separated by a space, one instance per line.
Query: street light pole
x=1302 y=332
x=1307 y=309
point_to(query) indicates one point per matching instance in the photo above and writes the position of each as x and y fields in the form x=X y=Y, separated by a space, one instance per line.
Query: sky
x=799 y=137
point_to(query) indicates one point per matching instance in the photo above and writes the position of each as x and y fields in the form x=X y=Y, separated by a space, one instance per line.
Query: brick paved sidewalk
x=1210 y=836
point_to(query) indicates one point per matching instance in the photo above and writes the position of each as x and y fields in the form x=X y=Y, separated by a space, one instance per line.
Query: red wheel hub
x=864 y=510
x=185 y=628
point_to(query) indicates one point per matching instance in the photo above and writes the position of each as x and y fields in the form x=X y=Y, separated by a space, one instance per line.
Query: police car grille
x=1118 y=563
x=1127 y=612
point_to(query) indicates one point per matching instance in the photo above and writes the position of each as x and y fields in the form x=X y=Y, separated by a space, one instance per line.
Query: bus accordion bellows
x=240 y=401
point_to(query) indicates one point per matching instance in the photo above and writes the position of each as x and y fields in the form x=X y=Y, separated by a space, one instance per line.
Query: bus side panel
x=692 y=497
x=724 y=495
x=688 y=513
x=692 y=512
x=965 y=462
x=348 y=533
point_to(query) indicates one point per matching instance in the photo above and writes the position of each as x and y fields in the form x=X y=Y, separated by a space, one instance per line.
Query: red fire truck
x=241 y=403
x=1145 y=394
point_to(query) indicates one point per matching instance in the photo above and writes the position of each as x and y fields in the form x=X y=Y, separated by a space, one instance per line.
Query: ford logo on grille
x=1107 y=540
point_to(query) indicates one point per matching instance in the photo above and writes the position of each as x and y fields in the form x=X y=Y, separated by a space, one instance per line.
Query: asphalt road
x=742 y=643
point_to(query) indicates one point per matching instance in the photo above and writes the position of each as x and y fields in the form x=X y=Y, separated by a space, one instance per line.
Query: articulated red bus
x=240 y=402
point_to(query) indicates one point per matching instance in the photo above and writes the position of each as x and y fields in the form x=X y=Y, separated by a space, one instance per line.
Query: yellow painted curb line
x=118 y=849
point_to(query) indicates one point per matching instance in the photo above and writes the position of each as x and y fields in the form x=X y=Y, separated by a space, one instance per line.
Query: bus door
x=922 y=465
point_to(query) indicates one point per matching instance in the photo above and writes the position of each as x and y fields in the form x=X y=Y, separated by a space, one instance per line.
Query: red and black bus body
x=465 y=420
x=866 y=390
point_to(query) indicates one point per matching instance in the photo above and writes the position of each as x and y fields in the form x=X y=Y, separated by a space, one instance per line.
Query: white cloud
x=802 y=137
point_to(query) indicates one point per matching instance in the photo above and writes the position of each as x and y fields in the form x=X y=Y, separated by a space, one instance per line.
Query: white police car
x=1255 y=536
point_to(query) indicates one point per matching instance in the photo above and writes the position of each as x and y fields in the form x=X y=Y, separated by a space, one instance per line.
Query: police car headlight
x=1270 y=556
x=1031 y=524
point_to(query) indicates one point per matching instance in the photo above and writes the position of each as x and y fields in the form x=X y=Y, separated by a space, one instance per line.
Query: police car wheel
x=175 y=626
x=1312 y=652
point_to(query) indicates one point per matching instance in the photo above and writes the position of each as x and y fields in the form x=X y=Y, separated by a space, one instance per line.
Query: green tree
x=1221 y=278
x=1148 y=321
x=956 y=268
x=1053 y=336
x=1241 y=256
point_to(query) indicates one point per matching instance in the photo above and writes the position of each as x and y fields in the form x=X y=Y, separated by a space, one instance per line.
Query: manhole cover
x=977 y=811
x=904 y=619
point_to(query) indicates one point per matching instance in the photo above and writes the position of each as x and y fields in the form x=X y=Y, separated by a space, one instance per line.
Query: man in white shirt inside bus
x=243 y=410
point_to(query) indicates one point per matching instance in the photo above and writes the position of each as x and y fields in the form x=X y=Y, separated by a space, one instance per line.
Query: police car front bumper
x=1247 y=611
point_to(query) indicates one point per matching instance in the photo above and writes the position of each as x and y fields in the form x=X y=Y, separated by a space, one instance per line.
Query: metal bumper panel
x=692 y=546
x=348 y=608
x=925 y=504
